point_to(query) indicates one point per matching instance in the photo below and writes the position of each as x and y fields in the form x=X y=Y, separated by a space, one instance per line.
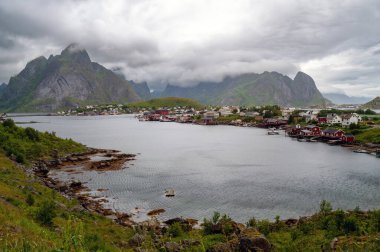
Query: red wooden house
x=348 y=138
x=161 y=112
x=315 y=130
x=332 y=133
x=322 y=120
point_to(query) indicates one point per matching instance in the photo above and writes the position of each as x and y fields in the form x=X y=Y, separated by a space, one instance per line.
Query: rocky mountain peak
x=76 y=53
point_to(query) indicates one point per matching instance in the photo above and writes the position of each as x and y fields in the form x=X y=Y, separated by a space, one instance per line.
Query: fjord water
x=239 y=171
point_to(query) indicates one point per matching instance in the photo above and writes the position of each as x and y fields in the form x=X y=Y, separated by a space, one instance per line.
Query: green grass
x=27 y=145
x=21 y=230
x=371 y=135
x=168 y=102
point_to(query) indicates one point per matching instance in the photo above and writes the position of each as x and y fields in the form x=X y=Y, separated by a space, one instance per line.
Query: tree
x=325 y=207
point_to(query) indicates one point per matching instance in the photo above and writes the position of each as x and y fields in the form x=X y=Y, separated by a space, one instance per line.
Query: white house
x=348 y=119
x=333 y=118
x=309 y=115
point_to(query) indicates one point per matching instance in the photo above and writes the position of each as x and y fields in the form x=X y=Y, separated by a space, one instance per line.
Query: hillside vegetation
x=26 y=145
x=168 y=102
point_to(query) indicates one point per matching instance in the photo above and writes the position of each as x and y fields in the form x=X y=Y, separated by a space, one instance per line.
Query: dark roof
x=311 y=126
x=331 y=130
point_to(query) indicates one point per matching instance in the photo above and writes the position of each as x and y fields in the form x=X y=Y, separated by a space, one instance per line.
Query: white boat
x=360 y=151
x=273 y=131
x=169 y=192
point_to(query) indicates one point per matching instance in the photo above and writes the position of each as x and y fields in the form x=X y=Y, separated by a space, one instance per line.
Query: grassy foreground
x=34 y=217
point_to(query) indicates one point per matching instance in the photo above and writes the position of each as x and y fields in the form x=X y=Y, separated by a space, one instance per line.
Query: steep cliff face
x=63 y=81
x=142 y=90
x=254 y=89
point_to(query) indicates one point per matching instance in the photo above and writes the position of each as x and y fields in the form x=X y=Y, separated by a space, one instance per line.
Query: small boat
x=360 y=151
x=273 y=131
x=165 y=120
x=169 y=192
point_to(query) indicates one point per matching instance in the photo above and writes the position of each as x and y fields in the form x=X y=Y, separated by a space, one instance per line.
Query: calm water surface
x=239 y=171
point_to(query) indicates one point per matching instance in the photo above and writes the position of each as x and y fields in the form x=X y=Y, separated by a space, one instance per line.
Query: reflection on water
x=238 y=171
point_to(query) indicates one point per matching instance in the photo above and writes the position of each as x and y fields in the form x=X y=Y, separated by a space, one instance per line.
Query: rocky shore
x=93 y=159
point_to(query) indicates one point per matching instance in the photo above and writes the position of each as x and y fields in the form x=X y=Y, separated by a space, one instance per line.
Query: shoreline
x=93 y=159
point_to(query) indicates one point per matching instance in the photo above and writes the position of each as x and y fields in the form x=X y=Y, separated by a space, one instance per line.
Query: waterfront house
x=272 y=122
x=294 y=130
x=225 y=111
x=332 y=133
x=162 y=112
x=210 y=116
x=348 y=138
x=306 y=133
x=333 y=118
x=315 y=130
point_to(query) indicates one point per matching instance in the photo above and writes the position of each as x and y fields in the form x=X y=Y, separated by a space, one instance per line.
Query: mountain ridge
x=339 y=98
x=66 y=80
x=253 y=89
x=373 y=104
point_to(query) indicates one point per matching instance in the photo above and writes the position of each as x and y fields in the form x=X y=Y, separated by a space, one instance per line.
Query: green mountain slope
x=168 y=102
x=63 y=81
x=254 y=89
x=374 y=104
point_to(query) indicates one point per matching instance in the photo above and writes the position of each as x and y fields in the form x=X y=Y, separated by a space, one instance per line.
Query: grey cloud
x=190 y=41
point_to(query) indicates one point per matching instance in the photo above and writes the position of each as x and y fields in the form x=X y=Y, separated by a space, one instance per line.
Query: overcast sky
x=183 y=42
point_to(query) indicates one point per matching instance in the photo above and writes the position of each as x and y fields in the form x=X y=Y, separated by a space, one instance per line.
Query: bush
x=29 y=200
x=175 y=230
x=325 y=207
x=9 y=123
x=252 y=222
x=264 y=227
x=350 y=225
x=46 y=213
x=32 y=134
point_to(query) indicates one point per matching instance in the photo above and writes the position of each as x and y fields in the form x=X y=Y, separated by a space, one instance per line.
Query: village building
x=315 y=130
x=333 y=118
x=332 y=133
x=348 y=119
x=348 y=138
x=252 y=113
x=210 y=116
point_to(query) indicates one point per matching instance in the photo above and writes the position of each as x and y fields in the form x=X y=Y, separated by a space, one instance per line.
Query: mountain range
x=253 y=89
x=339 y=98
x=71 y=79
x=64 y=81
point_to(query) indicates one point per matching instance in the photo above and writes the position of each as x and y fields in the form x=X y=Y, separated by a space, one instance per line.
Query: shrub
x=46 y=212
x=29 y=200
x=175 y=229
x=9 y=123
x=350 y=225
x=32 y=134
x=325 y=207
x=263 y=226
x=252 y=222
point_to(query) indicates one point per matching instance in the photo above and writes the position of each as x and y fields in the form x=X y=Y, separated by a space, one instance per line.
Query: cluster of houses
x=343 y=120
x=315 y=132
